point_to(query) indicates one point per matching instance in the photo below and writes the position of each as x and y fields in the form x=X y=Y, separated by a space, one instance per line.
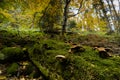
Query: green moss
x=42 y=69
x=86 y=66
x=45 y=57
x=12 y=54
x=2 y=56
x=12 y=69
x=98 y=68
x=89 y=66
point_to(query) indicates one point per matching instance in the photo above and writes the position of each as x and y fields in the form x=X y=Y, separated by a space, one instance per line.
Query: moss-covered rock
x=11 y=54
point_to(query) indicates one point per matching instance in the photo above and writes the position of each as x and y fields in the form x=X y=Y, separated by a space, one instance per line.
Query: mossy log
x=43 y=71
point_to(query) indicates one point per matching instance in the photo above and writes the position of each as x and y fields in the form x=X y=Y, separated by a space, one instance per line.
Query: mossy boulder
x=11 y=54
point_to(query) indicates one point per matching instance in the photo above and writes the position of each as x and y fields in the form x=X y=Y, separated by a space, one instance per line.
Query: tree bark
x=105 y=15
x=112 y=15
x=117 y=16
x=108 y=2
x=114 y=9
x=65 y=16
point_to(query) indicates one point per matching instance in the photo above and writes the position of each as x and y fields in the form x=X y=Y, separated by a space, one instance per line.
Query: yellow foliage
x=7 y=15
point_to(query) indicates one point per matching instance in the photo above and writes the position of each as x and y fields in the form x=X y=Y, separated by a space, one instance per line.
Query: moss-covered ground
x=42 y=49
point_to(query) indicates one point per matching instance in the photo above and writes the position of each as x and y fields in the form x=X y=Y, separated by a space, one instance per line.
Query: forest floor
x=45 y=46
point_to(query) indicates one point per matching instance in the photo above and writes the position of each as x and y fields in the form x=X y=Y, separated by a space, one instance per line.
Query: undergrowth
x=86 y=66
x=43 y=51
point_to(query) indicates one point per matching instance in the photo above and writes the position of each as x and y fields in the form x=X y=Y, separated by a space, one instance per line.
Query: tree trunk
x=105 y=15
x=112 y=20
x=108 y=2
x=65 y=16
x=117 y=16
x=114 y=9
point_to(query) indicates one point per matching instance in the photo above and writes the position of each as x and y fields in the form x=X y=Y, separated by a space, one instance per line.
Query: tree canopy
x=49 y=15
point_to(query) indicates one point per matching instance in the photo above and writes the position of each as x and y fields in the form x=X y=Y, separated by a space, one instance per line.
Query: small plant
x=12 y=69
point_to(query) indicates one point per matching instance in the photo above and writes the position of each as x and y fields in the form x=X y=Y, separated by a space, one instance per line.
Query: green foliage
x=72 y=24
x=12 y=69
x=1 y=56
x=117 y=38
x=12 y=54
x=51 y=16
x=86 y=66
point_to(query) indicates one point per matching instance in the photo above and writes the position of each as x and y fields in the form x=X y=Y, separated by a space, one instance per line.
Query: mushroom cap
x=60 y=56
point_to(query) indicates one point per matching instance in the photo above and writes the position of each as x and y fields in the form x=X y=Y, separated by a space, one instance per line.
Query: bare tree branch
x=69 y=16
